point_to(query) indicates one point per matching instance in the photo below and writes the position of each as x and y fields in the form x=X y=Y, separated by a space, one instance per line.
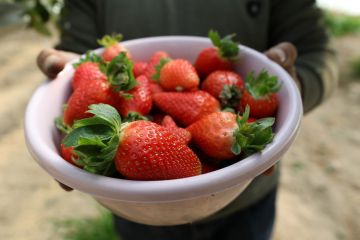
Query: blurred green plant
x=98 y=228
x=40 y=14
x=341 y=24
x=355 y=67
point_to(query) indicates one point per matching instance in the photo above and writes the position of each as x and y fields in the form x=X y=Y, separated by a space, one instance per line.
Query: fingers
x=284 y=54
x=63 y=186
x=51 y=61
x=269 y=171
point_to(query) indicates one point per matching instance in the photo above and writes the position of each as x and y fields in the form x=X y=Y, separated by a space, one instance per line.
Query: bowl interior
x=43 y=138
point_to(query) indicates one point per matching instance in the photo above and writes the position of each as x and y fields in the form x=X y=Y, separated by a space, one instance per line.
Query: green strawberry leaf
x=96 y=139
x=252 y=137
x=230 y=96
x=158 y=68
x=228 y=49
x=59 y=123
x=120 y=73
x=89 y=57
x=261 y=85
x=108 y=40
x=134 y=116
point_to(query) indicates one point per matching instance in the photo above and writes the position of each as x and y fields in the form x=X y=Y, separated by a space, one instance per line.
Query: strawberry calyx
x=158 y=68
x=230 y=96
x=227 y=48
x=109 y=40
x=95 y=140
x=89 y=57
x=134 y=116
x=120 y=73
x=252 y=137
x=261 y=85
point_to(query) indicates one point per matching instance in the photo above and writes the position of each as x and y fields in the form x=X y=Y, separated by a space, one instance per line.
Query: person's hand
x=51 y=61
x=284 y=54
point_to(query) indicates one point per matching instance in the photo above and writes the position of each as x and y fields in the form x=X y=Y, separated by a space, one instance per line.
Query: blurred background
x=319 y=195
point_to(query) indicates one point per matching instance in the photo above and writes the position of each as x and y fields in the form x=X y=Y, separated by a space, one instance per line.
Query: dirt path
x=319 y=194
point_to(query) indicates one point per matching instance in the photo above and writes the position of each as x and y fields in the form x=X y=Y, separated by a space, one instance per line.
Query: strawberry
x=219 y=57
x=112 y=46
x=207 y=167
x=181 y=133
x=153 y=62
x=86 y=94
x=140 y=100
x=224 y=135
x=119 y=77
x=139 y=68
x=226 y=86
x=177 y=75
x=139 y=150
x=260 y=95
x=86 y=72
x=68 y=154
x=186 y=107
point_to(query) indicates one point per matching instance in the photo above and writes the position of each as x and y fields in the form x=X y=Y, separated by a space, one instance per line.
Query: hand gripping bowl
x=168 y=202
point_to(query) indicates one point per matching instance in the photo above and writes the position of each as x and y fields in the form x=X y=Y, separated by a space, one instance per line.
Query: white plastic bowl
x=167 y=202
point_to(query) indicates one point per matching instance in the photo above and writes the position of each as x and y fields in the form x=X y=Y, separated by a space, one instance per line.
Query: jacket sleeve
x=79 y=26
x=301 y=23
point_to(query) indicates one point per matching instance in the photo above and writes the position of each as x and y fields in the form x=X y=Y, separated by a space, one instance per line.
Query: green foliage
x=39 y=13
x=227 y=47
x=340 y=24
x=99 y=228
x=355 y=67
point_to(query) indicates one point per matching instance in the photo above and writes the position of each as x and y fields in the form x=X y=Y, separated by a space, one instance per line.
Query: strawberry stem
x=230 y=96
x=228 y=49
x=96 y=139
x=261 y=85
x=252 y=137
x=120 y=73
x=109 y=40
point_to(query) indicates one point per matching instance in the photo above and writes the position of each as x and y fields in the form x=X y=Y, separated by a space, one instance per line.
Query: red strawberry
x=68 y=154
x=87 y=69
x=206 y=167
x=260 y=95
x=186 y=107
x=153 y=62
x=140 y=100
x=119 y=78
x=222 y=135
x=112 y=47
x=219 y=57
x=177 y=75
x=93 y=92
x=140 y=150
x=226 y=86
x=181 y=133
x=139 y=68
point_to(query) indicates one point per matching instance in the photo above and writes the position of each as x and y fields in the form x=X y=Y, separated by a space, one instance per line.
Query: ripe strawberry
x=219 y=57
x=223 y=135
x=153 y=62
x=177 y=75
x=68 y=154
x=186 y=107
x=87 y=69
x=140 y=100
x=260 y=95
x=181 y=133
x=140 y=150
x=139 y=68
x=112 y=47
x=226 y=86
x=119 y=78
x=93 y=92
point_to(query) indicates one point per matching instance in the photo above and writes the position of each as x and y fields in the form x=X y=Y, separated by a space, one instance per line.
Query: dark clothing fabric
x=253 y=223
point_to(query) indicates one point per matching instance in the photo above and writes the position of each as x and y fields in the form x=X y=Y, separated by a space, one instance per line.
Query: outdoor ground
x=319 y=193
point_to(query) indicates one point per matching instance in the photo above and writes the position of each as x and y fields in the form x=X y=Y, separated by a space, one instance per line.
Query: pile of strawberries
x=166 y=118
